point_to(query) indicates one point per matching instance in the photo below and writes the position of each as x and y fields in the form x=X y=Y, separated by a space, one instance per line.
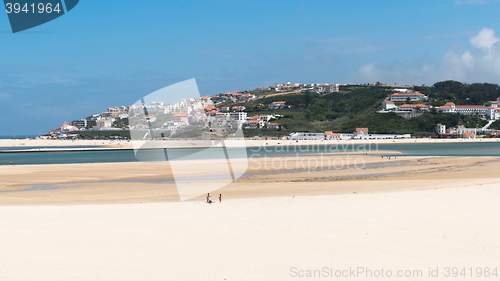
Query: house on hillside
x=180 y=117
x=440 y=129
x=148 y=118
x=248 y=97
x=329 y=135
x=493 y=113
x=388 y=105
x=450 y=107
x=238 y=116
x=276 y=126
x=361 y=132
x=104 y=123
x=413 y=107
x=65 y=127
x=468 y=135
x=255 y=124
x=239 y=108
x=277 y=105
x=405 y=96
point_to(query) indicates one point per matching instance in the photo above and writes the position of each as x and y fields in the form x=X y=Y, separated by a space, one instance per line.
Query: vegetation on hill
x=351 y=108
x=460 y=93
x=495 y=125
x=345 y=111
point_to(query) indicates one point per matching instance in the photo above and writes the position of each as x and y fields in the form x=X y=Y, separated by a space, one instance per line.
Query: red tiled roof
x=470 y=106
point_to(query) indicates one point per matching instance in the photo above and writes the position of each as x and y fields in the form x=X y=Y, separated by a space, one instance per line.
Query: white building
x=82 y=123
x=412 y=107
x=329 y=135
x=450 y=107
x=495 y=103
x=238 y=116
x=440 y=129
x=104 y=123
x=171 y=125
x=275 y=126
x=493 y=113
x=361 y=132
x=148 y=118
x=406 y=96
x=65 y=127
x=255 y=124
x=388 y=105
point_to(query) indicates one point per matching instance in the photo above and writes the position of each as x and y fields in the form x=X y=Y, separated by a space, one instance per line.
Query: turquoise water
x=417 y=149
x=18 y=136
x=42 y=148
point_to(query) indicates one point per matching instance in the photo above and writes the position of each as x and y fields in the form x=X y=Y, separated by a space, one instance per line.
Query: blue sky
x=111 y=53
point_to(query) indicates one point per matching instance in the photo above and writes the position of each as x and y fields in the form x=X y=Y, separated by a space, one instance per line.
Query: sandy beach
x=124 y=221
x=123 y=144
x=269 y=238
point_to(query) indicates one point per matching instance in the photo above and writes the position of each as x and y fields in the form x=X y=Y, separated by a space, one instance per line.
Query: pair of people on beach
x=210 y=201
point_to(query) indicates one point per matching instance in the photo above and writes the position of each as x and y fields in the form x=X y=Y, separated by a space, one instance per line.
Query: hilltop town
x=300 y=111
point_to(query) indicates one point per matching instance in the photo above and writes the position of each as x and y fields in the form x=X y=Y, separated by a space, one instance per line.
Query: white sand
x=254 y=239
x=121 y=144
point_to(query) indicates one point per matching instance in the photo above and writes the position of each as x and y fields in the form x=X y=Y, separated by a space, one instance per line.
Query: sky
x=112 y=53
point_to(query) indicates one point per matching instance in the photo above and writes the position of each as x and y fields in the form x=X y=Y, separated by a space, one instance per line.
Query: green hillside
x=347 y=110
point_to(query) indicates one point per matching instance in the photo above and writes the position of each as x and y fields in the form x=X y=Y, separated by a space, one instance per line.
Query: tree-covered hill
x=345 y=111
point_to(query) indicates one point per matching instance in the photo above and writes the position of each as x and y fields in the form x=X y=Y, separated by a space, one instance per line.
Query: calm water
x=42 y=148
x=18 y=136
x=417 y=149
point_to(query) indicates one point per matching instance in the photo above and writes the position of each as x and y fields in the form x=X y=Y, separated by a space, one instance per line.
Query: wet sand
x=141 y=182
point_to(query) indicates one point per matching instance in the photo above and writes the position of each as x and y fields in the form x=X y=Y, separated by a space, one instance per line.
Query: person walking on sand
x=208 y=197
x=220 y=198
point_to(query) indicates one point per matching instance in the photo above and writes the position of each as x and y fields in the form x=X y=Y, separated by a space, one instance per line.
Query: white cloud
x=4 y=95
x=485 y=39
x=481 y=64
